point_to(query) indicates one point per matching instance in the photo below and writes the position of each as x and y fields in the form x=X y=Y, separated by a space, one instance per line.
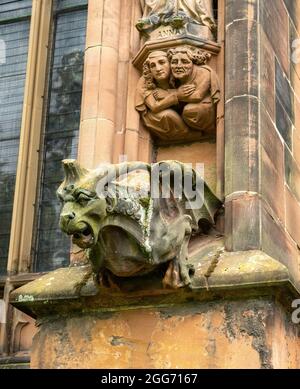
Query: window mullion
x=27 y=171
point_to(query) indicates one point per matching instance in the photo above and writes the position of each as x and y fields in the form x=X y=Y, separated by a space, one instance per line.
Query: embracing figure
x=178 y=93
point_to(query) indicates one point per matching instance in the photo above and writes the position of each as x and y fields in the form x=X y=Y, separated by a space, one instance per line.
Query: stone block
x=297 y=116
x=242 y=224
x=296 y=146
x=94 y=25
x=292 y=216
x=267 y=72
x=107 y=101
x=241 y=145
x=283 y=90
x=91 y=83
x=272 y=166
x=275 y=22
x=87 y=134
x=202 y=153
x=293 y=8
x=277 y=243
x=145 y=150
x=243 y=9
x=272 y=186
x=295 y=80
x=294 y=50
x=103 y=150
x=111 y=24
x=292 y=173
x=241 y=65
x=284 y=124
x=227 y=334
x=131 y=144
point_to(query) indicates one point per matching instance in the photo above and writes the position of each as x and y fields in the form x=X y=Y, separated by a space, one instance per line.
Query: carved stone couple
x=178 y=93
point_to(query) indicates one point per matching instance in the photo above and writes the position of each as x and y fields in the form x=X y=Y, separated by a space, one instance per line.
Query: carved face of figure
x=160 y=67
x=81 y=216
x=82 y=210
x=182 y=66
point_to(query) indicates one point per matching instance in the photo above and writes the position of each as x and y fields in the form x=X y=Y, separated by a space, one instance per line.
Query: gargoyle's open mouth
x=84 y=238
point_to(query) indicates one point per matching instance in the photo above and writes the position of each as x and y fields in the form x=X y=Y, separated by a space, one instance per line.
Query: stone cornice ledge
x=237 y=274
x=173 y=41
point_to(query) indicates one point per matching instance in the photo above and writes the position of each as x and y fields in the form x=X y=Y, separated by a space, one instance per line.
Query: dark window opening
x=60 y=138
x=14 y=39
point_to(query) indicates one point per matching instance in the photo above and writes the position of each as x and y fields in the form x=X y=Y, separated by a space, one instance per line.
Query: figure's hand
x=185 y=91
x=160 y=94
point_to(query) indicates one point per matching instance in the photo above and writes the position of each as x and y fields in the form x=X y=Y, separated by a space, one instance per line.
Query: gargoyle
x=127 y=226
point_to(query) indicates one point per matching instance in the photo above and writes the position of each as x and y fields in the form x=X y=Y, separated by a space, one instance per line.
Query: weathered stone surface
x=244 y=9
x=294 y=51
x=272 y=166
x=240 y=269
x=274 y=18
x=241 y=65
x=195 y=153
x=272 y=185
x=296 y=146
x=235 y=334
x=296 y=120
x=283 y=90
x=277 y=243
x=173 y=16
x=293 y=216
x=267 y=72
x=284 y=124
x=69 y=290
x=242 y=224
x=293 y=8
x=295 y=81
x=292 y=173
x=64 y=283
x=241 y=145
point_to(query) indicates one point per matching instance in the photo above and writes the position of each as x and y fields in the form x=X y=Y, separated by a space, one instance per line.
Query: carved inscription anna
x=178 y=93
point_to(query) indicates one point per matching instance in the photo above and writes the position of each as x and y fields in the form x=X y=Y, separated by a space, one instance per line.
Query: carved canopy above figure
x=175 y=13
x=177 y=95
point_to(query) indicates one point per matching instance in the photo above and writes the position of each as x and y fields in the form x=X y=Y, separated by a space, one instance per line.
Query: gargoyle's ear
x=73 y=171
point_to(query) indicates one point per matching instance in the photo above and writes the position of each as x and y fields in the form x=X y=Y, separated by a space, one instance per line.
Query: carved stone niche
x=178 y=92
x=177 y=95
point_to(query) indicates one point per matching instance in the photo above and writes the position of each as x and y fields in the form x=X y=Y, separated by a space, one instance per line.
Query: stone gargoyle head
x=82 y=209
x=127 y=228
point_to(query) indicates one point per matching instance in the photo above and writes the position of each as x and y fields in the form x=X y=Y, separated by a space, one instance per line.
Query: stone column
x=100 y=100
x=261 y=173
x=110 y=126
